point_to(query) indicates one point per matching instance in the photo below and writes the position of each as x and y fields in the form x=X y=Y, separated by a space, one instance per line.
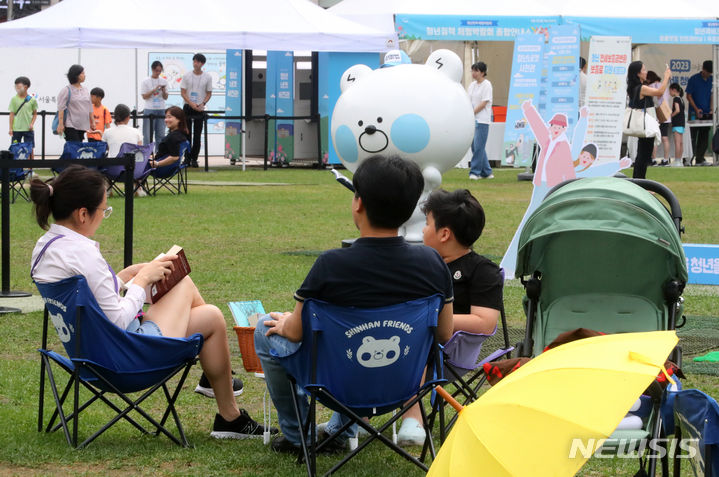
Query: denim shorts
x=146 y=328
x=678 y=129
x=24 y=136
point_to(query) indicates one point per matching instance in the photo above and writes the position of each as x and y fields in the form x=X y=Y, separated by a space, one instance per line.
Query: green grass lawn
x=258 y=242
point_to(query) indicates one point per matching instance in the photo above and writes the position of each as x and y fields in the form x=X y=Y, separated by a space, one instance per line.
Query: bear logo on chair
x=63 y=331
x=374 y=353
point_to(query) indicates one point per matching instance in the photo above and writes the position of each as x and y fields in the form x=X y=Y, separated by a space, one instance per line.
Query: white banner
x=609 y=57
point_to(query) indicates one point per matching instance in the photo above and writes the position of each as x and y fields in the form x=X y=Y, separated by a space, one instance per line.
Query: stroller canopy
x=605 y=234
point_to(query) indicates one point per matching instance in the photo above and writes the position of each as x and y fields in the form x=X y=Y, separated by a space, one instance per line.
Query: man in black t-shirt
x=379 y=269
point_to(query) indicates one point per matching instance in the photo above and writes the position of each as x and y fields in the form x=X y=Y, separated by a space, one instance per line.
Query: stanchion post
x=6 y=293
x=204 y=119
x=267 y=138
x=42 y=119
x=129 y=206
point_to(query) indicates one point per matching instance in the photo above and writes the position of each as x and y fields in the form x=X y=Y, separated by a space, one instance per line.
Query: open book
x=246 y=313
x=157 y=290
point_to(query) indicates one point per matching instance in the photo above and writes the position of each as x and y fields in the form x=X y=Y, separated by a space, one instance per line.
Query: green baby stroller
x=603 y=254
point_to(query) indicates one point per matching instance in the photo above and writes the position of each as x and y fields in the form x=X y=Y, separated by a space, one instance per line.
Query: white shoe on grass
x=411 y=433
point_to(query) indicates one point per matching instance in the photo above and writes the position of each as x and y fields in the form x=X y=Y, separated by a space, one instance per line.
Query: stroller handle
x=675 y=209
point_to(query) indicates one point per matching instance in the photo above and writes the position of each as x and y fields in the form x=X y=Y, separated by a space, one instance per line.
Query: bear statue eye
x=360 y=123
x=379 y=120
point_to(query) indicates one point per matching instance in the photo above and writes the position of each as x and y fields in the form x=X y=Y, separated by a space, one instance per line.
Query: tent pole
x=136 y=79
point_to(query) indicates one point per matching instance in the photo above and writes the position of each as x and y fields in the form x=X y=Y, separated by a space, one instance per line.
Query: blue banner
x=503 y=28
x=651 y=30
x=331 y=67
x=279 y=101
x=702 y=263
x=233 y=104
x=562 y=79
x=468 y=27
x=524 y=85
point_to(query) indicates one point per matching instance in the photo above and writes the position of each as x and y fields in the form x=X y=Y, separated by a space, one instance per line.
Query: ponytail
x=677 y=88
x=74 y=188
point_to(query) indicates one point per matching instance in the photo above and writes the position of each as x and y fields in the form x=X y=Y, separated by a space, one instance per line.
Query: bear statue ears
x=444 y=61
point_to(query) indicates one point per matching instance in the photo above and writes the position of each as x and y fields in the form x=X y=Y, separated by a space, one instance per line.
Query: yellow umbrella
x=571 y=396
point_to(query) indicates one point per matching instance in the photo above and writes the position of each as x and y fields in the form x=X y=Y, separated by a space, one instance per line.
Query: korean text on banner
x=280 y=102
x=609 y=57
x=233 y=104
x=524 y=85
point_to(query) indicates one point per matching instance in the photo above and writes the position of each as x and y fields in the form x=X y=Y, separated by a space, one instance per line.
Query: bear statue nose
x=370 y=129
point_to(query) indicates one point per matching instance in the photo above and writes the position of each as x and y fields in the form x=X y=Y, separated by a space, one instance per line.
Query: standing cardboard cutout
x=558 y=161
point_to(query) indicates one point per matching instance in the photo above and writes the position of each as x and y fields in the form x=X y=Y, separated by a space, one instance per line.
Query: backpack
x=56 y=121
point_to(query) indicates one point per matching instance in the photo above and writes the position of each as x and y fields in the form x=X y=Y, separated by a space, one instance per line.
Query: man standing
x=196 y=89
x=379 y=269
x=699 y=95
x=154 y=92
x=480 y=92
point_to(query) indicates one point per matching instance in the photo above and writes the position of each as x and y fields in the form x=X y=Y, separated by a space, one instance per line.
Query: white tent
x=193 y=25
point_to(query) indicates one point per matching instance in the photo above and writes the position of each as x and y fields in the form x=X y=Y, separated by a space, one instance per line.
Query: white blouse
x=75 y=254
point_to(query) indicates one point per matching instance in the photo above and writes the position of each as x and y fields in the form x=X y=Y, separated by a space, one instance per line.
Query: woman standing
x=75 y=107
x=640 y=97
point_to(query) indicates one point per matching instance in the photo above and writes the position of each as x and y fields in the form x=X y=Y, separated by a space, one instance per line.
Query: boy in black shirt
x=455 y=220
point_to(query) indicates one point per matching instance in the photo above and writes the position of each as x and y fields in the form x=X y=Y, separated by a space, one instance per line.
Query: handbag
x=664 y=112
x=638 y=123
x=56 y=120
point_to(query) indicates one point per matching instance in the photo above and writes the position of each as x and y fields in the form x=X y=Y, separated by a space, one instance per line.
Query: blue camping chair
x=20 y=151
x=116 y=174
x=696 y=416
x=105 y=359
x=364 y=362
x=172 y=177
x=81 y=150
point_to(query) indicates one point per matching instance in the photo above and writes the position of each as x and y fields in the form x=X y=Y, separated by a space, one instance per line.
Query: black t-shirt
x=678 y=120
x=640 y=103
x=376 y=272
x=170 y=144
x=477 y=281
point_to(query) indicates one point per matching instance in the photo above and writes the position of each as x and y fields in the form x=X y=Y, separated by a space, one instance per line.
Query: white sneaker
x=411 y=433
x=472 y=177
x=491 y=176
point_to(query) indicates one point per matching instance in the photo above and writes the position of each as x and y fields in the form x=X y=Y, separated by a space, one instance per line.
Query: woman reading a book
x=77 y=201
x=168 y=151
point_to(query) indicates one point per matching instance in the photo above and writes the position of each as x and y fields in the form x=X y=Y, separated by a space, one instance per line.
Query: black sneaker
x=244 y=427
x=281 y=444
x=204 y=388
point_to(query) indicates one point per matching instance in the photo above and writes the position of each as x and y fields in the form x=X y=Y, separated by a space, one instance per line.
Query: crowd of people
x=82 y=116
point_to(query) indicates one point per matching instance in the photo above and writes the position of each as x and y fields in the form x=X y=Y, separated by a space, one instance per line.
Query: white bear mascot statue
x=419 y=112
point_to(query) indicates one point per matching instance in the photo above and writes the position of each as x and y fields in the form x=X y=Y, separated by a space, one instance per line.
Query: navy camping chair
x=364 y=362
x=116 y=174
x=20 y=151
x=106 y=360
x=81 y=150
x=696 y=416
x=172 y=177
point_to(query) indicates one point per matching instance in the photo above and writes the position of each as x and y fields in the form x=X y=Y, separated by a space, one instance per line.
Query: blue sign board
x=233 y=104
x=702 y=263
x=502 y=28
x=279 y=101
x=468 y=27
x=524 y=85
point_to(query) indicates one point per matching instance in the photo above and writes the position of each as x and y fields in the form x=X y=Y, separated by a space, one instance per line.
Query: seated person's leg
x=278 y=384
